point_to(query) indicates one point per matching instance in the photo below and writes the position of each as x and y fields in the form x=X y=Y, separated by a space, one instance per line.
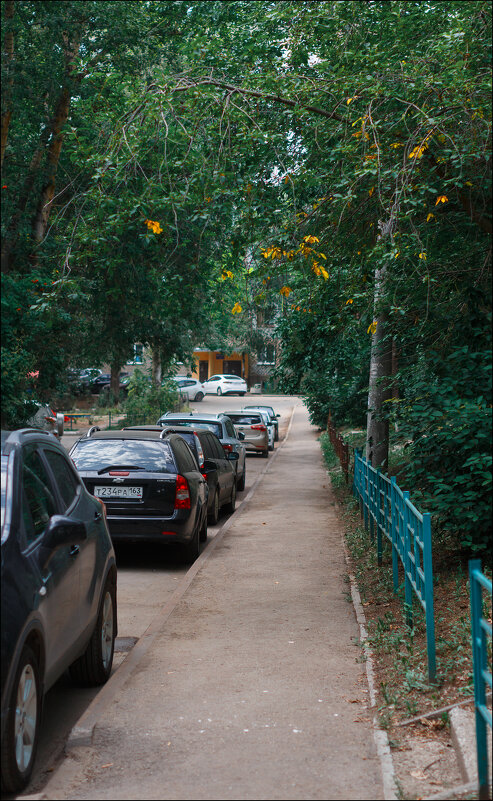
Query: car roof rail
x=163 y=433
x=92 y=430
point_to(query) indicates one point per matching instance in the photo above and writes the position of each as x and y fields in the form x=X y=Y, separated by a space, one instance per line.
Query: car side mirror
x=209 y=465
x=278 y=415
x=240 y=435
x=233 y=456
x=63 y=530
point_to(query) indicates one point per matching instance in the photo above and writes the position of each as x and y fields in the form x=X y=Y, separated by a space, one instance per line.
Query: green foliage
x=147 y=402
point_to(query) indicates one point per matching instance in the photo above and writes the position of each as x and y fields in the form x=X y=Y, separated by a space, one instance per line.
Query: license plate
x=118 y=492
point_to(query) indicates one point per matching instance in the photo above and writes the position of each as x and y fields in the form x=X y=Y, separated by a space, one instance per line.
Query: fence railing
x=388 y=512
x=340 y=447
x=480 y=630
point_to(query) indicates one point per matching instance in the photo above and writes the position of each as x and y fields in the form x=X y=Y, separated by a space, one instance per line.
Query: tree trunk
x=9 y=83
x=115 y=382
x=156 y=366
x=380 y=384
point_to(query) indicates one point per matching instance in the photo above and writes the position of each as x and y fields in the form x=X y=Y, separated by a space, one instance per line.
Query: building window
x=267 y=355
x=138 y=357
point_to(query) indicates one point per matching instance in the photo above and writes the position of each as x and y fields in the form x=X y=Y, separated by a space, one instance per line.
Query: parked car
x=254 y=429
x=46 y=419
x=80 y=380
x=271 y=429
x=58 y=589
x=104 y=380
x=222 y=427
x=217 y=466
x=273 y=416
x=189 y=387
x=222 y=384
x=152 y=487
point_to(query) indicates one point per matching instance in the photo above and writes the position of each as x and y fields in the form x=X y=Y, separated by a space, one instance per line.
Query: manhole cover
x=123 y=644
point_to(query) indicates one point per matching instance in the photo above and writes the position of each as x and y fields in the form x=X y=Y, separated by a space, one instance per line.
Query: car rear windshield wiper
x=120 y=467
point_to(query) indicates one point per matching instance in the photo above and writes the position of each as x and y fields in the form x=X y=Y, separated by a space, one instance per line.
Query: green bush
x=146 y=402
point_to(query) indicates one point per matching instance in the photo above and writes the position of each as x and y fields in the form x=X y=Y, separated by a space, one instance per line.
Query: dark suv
x=216 y=465
x=222 y=427
x=58 y=589
x=150 y=484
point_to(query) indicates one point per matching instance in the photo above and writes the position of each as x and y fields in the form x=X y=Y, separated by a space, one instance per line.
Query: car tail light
x=259 y=428
x=227 y=447
x=182 y=497
x=204 y=475
x=103 y=505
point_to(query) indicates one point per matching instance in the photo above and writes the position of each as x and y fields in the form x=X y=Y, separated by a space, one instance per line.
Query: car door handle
x=74 y=551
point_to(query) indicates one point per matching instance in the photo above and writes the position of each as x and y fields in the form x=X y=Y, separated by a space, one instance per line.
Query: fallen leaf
x=108 y=765
x=418 y=774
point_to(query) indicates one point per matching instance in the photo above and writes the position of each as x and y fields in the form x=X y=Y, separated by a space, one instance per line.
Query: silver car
x=271 y=428
x=254 y=429
x=190 y=387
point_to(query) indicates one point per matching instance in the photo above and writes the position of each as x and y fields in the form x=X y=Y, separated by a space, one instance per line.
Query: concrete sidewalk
x=250 y=685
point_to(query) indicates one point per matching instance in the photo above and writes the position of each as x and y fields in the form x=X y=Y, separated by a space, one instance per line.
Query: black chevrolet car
x=58 y=589
x=150 y=484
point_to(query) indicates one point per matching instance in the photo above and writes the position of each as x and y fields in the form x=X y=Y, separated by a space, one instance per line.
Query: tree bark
x=115 y=382
x=156 y=365
x=380 y=384
x=9 y=83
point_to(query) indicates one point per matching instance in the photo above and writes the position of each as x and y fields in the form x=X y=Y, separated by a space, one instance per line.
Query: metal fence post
x=393 y=515
x=480 y=673
x=429 y=613
x=408 y=590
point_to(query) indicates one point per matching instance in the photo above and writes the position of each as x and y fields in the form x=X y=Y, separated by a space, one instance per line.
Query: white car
x=193 y=389
x=221 y=384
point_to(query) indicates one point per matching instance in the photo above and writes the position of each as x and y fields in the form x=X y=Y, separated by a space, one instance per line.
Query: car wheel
x=219 y=391
x=191 y=550
x=241 y=394
x=213 y=515
x=203 y=530
x=22 y=729
x=240 y=485
x=276 y=436
x=265 y=454
x=94 y=666
x=199 y=396
x=271 y=447
x=231 y=506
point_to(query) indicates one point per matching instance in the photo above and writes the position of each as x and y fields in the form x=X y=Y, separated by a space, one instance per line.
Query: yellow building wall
x=216 y=362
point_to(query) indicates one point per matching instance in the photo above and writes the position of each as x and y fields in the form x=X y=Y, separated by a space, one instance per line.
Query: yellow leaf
x=310 y=239
x=286 y=291
x=371 y=191
x=429 y=217
x=396 y=254
x=441 y=199
x=236 y=309
x=324 y=273
x=372 y=327
x=468 y=183
x=349 y=301
x=422 y=256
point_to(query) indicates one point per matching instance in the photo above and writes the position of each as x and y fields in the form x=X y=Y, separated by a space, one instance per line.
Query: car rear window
x=216 y=428
x=245 y=419
x=93 y=455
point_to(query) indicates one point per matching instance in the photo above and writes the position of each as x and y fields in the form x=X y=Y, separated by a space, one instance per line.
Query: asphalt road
x=146 y=579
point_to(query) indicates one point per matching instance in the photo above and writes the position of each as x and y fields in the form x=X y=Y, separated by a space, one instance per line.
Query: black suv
x=217 y=466
x=151 y=486
x=58 y=589
x=222 y=427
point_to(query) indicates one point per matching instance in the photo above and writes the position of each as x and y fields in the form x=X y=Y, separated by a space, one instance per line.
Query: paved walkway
x=252 y=686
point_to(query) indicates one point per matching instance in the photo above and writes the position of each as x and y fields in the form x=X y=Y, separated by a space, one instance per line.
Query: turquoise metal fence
x=480 y=629
x=388 y=512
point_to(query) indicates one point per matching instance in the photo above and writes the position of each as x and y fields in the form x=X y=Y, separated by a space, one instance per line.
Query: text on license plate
x=118 y=492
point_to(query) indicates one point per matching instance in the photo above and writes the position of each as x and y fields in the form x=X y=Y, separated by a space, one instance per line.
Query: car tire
x=240 y=485
x=199 y=396
x=22 y=729
x=271 y=447
x=231 y=505
x=219 y=391
x=191 y=550
x=241 y=394
x=265 y=454
x=203 y=530
x=94 y=666
x=276 y=435
x=213 y=515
